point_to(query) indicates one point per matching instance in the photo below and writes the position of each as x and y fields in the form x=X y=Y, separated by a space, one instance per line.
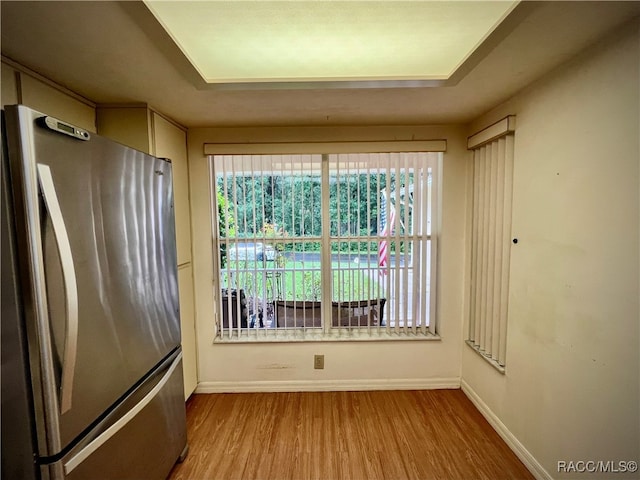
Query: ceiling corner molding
x=515 y=17
x=140 y=14
x=324 y=85
x=122 y=105
x=23 y=70
x=499 y=129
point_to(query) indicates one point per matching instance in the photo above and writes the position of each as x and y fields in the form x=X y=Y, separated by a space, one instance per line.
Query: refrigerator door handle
x=70 y=285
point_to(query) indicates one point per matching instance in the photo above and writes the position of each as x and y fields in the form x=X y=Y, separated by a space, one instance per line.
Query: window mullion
x=325 y=248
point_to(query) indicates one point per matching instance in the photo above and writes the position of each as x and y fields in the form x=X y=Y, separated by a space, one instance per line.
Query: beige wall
x=571 y=388
x=407 y=364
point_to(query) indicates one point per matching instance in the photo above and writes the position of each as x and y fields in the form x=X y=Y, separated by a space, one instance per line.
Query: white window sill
x=308 y=335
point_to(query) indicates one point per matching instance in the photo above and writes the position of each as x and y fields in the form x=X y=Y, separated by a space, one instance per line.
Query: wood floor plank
x=426 y=434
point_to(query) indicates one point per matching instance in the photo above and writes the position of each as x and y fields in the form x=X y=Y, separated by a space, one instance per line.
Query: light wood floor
x=429 y=434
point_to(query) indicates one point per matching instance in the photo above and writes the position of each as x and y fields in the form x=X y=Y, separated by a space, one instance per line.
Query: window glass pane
x=378 y=242
x=385 y=198
x=268 y=194
x=356 y=274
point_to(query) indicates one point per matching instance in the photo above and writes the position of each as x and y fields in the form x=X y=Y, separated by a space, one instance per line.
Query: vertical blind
x=490 y=245
x=336 y=245
x=386 y=213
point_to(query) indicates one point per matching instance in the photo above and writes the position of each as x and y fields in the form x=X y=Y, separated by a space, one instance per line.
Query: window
x=317 y=247
x=491 y=241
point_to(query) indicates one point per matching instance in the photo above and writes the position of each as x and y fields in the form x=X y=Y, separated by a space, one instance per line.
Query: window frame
x=330 y=332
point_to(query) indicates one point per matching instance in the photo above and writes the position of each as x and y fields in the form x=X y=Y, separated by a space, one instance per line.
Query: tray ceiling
x=335 y=40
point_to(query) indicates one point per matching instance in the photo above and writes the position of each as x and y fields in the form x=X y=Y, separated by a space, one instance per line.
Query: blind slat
x=483 y=251
x=508 y=195
x=498 y=248
x=473 y=323
x=491 y=242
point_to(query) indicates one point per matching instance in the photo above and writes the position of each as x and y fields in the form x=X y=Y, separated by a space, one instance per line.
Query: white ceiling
x=231 y=41
x=117 y=52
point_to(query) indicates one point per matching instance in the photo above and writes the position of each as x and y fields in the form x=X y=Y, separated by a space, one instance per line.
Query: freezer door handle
x=97 y=442
x=70 y=285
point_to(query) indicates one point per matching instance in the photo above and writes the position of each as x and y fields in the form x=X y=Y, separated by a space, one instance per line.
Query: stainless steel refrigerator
x=91 y=361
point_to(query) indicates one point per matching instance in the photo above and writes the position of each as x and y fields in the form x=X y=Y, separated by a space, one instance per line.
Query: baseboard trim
x=329 y=385
x=536 y=469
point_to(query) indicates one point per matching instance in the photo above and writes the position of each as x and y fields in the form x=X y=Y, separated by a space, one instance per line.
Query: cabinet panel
x=188 y=325
x=9 y=86
x=171 y=142
x=46 y=99
x=126 y=125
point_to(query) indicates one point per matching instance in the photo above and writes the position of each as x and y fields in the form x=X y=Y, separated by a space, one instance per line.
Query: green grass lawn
x=300 y=281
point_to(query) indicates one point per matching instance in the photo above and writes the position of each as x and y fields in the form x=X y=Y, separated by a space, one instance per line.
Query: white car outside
x=251 y=251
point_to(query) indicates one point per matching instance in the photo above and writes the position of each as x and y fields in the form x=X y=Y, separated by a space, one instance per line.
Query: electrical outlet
x=318 y=362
